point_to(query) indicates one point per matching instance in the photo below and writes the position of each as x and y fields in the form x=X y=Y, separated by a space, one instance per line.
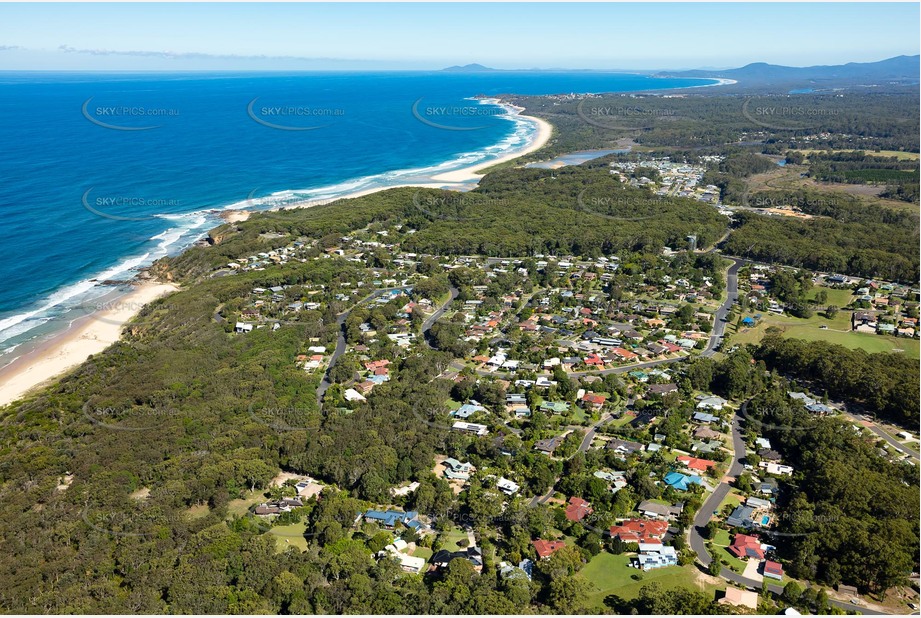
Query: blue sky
x=430 y=36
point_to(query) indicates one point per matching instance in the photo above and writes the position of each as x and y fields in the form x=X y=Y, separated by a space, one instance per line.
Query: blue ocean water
x=104 y=173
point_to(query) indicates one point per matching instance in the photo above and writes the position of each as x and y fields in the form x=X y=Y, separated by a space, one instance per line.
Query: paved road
x=883 y=434
x=325 y=383
x=583 y=447
x=712 y=503
x=590 y=434
x=732 y=293
x=427 y=325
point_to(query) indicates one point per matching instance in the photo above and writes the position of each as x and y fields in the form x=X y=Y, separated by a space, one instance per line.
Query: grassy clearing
x=240 y=507
x=291 y=535
x=838 y=332
x=731 y=498
x=450 y=539
x=611 y=574
x=901 y=156
x=197 y=511
x=423 y=552
x=837 y=297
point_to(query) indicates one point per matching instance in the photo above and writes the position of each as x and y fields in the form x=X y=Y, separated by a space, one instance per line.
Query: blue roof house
x=681 y=482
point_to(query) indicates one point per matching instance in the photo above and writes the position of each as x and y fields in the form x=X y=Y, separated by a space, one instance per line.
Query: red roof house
x=578 y=509
x=545 y=549
x=746 y=546
x=640 y=530
x=594 y=399
x=594 y=359
x=773 y=569
x=695 y=463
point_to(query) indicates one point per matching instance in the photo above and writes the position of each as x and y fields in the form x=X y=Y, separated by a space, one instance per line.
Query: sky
x=249 y=36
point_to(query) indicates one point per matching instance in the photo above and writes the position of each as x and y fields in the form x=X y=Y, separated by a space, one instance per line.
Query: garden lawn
x=611 y=574
x=291 y=535
x=838 y=332
x=450 y=538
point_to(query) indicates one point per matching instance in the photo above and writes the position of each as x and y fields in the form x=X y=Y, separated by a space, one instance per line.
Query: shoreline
x=61 y=352
x=462 y=179
x=68 y=349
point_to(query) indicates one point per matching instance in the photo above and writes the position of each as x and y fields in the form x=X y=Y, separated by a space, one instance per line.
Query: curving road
x=716 y=335
x=325 y=383
x=430 y=321
x=711 y=504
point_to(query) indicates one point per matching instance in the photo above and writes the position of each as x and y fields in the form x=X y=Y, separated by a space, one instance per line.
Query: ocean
x=103 y=173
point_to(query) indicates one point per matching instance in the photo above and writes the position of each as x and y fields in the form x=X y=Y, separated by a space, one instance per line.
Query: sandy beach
x=87 y=336
x=463 y=179
x=467 y=174
x=94 y=333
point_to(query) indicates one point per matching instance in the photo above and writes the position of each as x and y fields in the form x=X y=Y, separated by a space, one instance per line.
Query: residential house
x=656 y=556
x=555 y=407
x=746 y=546
x=457 y=471
x=711 y=402
x=681 y=482
x=548 y=445
x=474 y=428
x=545 y=549
x=623 y=447
x=768 y=486
x=772 y=569
x=647 y=508
x=705 y=433
x=578 y=509
x=705 y=417
x=616 y=480
x=443 y=558
x=594 y=401
x=662 y=389
x=693 y=463
x=509 y=488
x=389 y=519
x=640 y=530
x=741 y=517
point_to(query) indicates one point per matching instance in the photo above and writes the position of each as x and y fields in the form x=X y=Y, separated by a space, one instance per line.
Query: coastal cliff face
x=160 y=270
x=218 y=234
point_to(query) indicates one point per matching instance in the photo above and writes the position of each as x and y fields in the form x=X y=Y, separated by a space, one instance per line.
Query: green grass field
x=291 y=535
x=902 y=156
x=240 y=507
x=838 y=332
x=720 y=543
x=450 y=538
x=422 y=552
x=722 y=538
x=731 y=498
x=837 y=297
x=611 y=574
